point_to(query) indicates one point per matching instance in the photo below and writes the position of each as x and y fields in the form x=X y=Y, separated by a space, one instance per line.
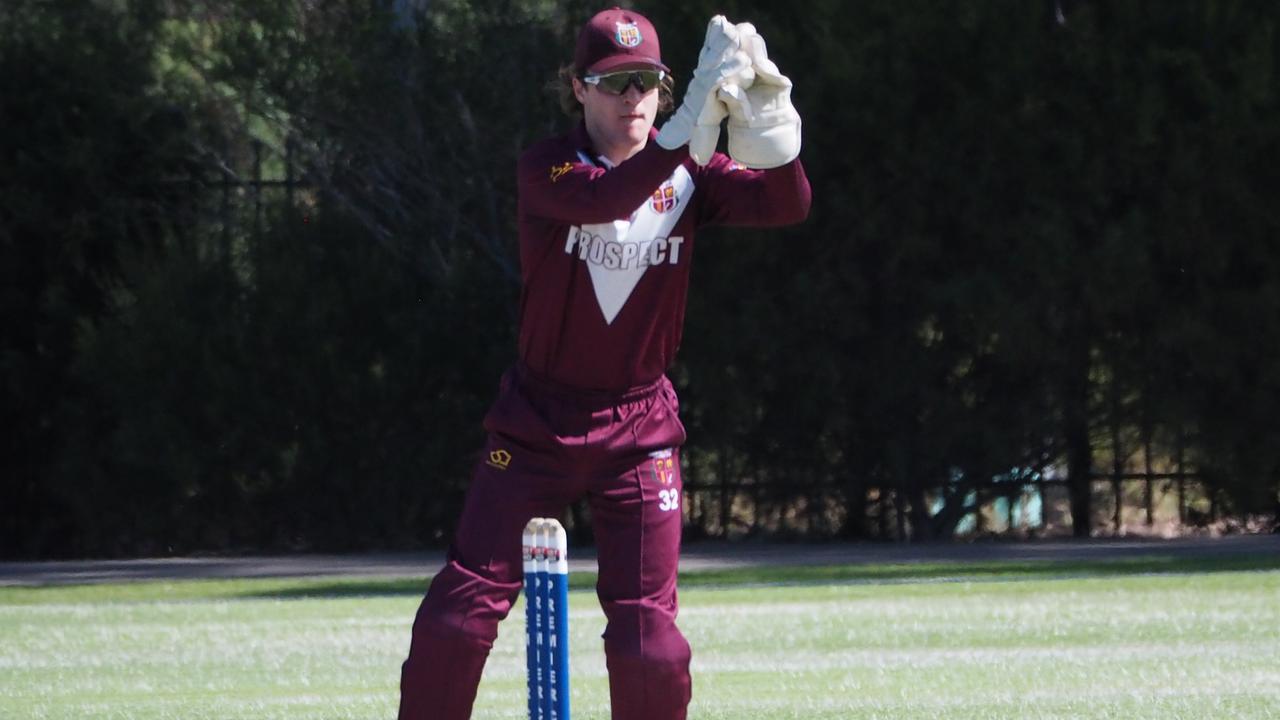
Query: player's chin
x=636 y=127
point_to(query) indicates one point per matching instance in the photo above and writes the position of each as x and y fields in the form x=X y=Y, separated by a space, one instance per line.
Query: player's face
x=617 y=123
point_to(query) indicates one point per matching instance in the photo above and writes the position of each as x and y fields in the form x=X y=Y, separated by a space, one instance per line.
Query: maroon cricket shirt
x=605 y=253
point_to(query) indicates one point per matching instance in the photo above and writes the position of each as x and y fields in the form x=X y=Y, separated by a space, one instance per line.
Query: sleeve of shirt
x=735 y=195
x=555 y=184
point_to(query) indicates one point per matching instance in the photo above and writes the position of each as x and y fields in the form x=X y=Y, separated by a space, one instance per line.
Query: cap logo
x=628 y=35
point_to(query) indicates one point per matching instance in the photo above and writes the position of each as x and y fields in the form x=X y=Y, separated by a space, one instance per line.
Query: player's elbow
x=794 y=212
x=806 y=199
x=800 y=212
x=796 y=200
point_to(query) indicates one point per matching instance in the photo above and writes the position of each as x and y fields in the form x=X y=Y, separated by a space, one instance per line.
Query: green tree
x=85 y=141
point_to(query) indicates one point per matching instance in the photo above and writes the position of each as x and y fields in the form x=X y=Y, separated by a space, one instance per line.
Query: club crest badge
x=628 y=35
x=664 y=471
x=664 y=467
x=664 y=198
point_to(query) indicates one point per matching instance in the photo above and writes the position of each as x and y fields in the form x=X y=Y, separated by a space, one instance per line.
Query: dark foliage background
x=259 y=272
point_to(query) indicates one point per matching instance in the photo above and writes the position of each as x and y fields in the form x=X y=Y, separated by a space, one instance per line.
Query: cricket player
x=608 y=216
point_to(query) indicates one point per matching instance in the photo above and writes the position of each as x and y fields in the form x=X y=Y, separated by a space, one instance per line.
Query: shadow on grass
x=214 y=590
x=342 y=588
x=1011 y=570
x=1003 y=570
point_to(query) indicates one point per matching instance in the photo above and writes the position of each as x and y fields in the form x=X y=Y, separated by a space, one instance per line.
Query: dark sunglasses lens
x=617 y=83
x=648 y=80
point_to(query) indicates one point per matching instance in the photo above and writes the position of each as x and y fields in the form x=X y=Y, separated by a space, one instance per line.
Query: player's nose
x=633 y=94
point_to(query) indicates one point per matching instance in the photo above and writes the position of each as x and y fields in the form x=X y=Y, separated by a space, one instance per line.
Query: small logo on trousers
x=499 y=459
x=664 y=470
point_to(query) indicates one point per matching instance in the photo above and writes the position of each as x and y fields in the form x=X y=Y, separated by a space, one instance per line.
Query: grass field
x=1152 y=638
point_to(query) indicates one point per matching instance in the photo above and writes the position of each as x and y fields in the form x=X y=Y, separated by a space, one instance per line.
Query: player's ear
x=579 y=90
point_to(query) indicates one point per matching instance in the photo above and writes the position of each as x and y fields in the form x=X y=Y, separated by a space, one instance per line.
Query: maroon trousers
x=549 y=446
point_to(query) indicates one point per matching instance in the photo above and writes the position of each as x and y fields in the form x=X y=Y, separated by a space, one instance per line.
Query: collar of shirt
x=587 y=153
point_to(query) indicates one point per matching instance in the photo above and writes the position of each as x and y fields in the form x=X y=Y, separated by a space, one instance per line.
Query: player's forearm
x=785 y=195
x=763 y=198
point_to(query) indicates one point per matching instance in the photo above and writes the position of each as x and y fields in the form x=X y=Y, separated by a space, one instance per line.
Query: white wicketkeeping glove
x=764 y=128
x=697 y=120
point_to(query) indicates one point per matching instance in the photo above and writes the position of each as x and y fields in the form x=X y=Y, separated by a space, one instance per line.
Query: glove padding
x=706 y=129
x=764 y=127
x=697 y=120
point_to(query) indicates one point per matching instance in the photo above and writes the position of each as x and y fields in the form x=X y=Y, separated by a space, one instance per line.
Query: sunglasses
x=617 y=83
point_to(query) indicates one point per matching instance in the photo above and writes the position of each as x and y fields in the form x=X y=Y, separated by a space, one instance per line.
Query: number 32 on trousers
x=668 y=500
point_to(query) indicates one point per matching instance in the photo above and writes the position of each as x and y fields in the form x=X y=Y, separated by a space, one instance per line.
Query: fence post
x=1044 y=513
x=882 y=513
x=1012 y=517
x=1117 y=463
x=979 y=500
x=725 y=515
x=1182 y=480
x=1148 y=495
x=898 y=504
x=757 y=502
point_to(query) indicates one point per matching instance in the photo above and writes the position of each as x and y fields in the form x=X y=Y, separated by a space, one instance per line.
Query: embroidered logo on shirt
x=664 y=198
x=560 y=171
x=628 y=35
x=499 y=459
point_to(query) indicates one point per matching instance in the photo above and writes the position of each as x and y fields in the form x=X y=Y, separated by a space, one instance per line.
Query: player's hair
x=562 y=87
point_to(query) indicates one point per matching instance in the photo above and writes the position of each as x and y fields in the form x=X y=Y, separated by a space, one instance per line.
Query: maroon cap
x=617 y=38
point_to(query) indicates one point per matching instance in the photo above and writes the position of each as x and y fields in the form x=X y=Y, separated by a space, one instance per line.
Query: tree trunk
x=882 y=516
x=921 y=523
x=855 y=511
x=1148 y=496
x=1076 y=435
x=1079 y=461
